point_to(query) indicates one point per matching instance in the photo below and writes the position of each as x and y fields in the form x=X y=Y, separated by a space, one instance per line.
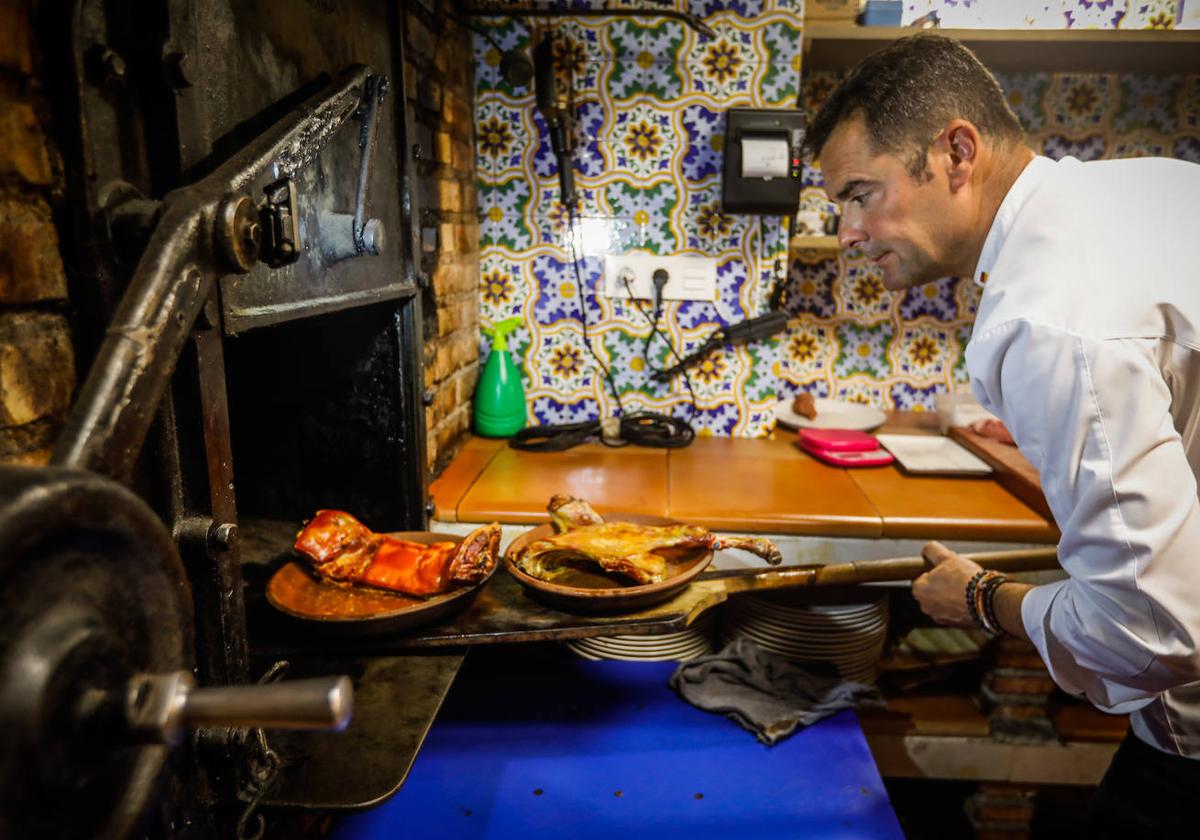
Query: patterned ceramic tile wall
x=853 y=339
x=650 y=97
x=649 y=102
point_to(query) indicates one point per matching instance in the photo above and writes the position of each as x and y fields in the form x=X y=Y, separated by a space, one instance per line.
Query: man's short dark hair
x=908 y=91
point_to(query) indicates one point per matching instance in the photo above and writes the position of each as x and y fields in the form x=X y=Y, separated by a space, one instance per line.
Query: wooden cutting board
x=1013 y=471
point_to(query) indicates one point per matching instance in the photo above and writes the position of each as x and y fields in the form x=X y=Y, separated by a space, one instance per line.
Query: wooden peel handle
x=877 y=571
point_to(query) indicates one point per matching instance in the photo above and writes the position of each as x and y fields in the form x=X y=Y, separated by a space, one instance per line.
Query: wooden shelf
x=824 y=243
x=840 y=46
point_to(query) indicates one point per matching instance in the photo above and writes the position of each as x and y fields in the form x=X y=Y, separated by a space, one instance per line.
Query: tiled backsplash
x=650 y=97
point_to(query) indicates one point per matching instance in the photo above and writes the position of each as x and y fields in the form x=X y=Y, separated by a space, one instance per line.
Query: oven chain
x=264 y=764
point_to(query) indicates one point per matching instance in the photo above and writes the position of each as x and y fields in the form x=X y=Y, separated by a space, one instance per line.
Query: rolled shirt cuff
x=1036 y=610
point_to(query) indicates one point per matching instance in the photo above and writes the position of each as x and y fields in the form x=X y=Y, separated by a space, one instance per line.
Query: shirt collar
x=1028 y=181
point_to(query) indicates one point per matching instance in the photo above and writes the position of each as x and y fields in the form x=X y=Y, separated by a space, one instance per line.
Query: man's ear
x=961 y=140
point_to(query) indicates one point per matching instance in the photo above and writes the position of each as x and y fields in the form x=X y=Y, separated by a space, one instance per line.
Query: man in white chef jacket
x=1087 y=345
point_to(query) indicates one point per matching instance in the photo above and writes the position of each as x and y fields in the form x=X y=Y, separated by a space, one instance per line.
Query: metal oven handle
x=162 y=707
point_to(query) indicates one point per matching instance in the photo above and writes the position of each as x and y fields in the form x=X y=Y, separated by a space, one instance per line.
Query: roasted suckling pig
x=345 y=551
x=633 y=551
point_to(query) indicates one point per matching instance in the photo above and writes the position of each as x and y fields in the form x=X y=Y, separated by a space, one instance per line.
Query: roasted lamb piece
x=567 y=512
x=620 y=547
x=343 y=550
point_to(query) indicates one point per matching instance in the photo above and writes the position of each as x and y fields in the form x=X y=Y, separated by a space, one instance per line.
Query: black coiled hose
x=640 y=429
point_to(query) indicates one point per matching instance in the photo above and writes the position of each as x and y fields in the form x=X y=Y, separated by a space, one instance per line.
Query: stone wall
x=37 y=365
x=441 y=95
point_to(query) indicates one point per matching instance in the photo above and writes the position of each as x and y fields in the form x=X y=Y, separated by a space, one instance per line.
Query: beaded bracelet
x=972 y=588
x=990 y=588
x=981 y=591
x=980 y=610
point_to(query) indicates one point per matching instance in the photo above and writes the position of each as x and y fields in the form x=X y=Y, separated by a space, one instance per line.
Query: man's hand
x=994 y=429
x=942 y=591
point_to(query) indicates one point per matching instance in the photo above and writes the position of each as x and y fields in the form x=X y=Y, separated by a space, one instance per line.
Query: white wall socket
x=688 y=277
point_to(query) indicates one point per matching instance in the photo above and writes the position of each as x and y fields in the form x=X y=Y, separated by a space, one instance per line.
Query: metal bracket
x=281 y=243
x=343 y=235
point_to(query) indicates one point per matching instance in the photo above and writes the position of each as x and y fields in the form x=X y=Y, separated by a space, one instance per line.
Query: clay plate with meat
x=582 y=562
x=350 y=579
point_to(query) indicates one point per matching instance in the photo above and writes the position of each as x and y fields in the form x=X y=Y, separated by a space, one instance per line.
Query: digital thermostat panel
x=762 y=161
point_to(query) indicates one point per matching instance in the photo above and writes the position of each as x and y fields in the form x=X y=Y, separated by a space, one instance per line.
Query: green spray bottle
x=499 y=395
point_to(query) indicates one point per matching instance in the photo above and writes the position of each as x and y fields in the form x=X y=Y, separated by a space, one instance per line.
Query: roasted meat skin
x=805 y=405
x=567 y=512
x=344 y=550
x=622 y=547
x=476 y=555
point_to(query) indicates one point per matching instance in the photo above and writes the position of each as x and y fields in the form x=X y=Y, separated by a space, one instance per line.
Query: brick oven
x=238 y=261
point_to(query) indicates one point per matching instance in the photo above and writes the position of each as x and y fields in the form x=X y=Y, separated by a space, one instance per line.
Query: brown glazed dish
x=297 y=592
x=583 y=591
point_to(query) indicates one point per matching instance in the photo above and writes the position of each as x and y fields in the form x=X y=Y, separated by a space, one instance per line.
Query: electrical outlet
x=688 y=277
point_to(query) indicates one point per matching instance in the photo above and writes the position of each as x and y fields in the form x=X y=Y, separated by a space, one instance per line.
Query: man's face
x=903 y=225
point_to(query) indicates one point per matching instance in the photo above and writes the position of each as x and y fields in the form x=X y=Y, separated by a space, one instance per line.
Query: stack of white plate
x=695 y=640
x=849 y=636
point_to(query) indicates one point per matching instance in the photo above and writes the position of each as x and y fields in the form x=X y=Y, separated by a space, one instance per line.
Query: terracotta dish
x=297 y=592
x=578 y=590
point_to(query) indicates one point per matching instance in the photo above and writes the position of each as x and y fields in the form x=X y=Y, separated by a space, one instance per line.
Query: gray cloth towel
x=764 y=693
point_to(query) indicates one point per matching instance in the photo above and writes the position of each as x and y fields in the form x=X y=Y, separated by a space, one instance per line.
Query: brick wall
x=37 y=366
x=441 y=94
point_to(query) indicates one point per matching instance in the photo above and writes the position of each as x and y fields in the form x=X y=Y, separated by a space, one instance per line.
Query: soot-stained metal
x=109 y=421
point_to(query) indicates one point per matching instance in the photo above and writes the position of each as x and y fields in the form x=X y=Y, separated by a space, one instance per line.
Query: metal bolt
x=417 y=151
x=430 y=508
x=373 y=238
x=516 y=68
x=239 y=233
x=427 y=397
x=225 y=535
x=251 y=235
x=105 y=65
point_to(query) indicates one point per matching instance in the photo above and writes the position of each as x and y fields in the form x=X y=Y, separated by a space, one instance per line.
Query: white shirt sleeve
x=1094 y=417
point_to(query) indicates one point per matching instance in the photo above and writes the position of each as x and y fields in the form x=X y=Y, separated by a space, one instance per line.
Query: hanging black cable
x=654 y=331
x=642 y=428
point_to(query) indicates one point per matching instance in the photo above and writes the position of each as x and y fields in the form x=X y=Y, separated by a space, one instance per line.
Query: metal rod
x=322 y=703
x=373 y=90
x=163 y=707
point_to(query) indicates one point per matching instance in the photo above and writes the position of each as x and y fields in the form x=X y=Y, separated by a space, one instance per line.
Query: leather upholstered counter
x=736 y=484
